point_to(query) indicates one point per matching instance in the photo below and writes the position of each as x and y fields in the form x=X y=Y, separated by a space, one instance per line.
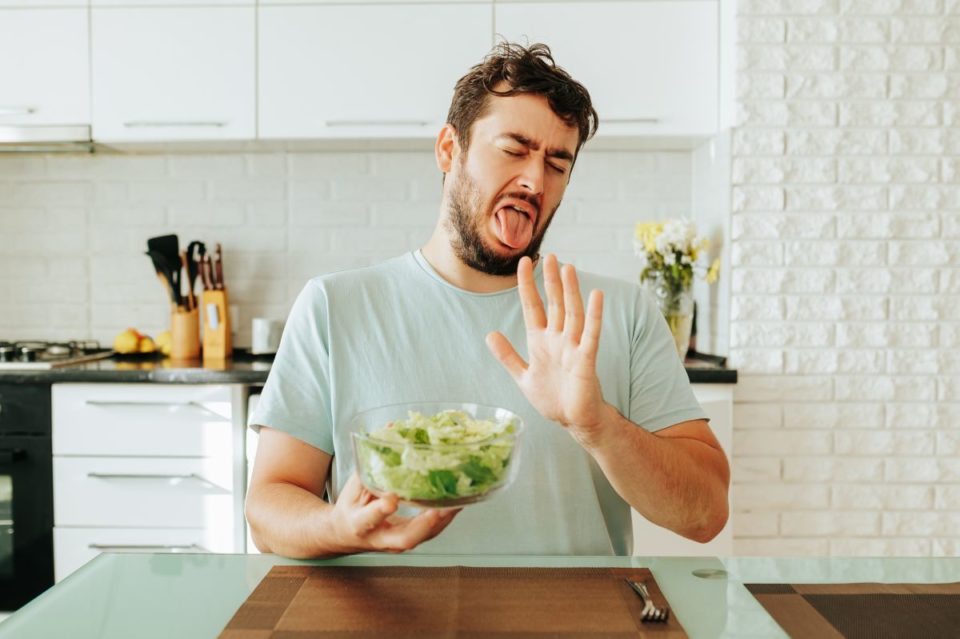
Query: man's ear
x=447 y=147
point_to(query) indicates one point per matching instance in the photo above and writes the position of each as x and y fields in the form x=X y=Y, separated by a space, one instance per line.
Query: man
x=611 y=421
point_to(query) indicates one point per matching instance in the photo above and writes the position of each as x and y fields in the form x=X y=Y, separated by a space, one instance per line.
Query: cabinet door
x=148 y=492
x=651 y=540
x=177 y=420
x=651 y=67
x=352 y=71
x=167 y=74
x=44 y=66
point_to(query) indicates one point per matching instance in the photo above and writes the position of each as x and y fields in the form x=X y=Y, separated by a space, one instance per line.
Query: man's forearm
x=287 y=520
x=680 y=484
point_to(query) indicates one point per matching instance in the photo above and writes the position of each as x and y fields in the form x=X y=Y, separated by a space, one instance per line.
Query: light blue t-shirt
x=398 y=332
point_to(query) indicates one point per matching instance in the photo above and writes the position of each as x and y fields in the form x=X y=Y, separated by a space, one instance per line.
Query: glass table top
x=195 y=595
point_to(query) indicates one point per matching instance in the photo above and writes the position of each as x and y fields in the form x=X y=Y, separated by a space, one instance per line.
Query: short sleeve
x=660 y=392
x=296 y=395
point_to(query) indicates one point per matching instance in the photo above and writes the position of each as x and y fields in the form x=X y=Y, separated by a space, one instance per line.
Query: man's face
x=504 y=191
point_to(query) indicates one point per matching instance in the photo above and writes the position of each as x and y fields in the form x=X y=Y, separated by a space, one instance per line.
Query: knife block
x=217 y=342
x=184 y=334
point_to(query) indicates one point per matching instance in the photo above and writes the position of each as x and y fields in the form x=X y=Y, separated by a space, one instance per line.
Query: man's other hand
x=364 y=522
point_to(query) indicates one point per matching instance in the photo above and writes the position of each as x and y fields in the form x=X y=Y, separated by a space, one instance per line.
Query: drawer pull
x=638 y=120
x=147 y=547
x=17 y=110
x=378 y=123
x=167 y=477
x=162 y=123
x=106 y=403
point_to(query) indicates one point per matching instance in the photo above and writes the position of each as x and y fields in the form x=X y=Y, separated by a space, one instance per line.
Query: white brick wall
x=73 y=228
x=845 y=308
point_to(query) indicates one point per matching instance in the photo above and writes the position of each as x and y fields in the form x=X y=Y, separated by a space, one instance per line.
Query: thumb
x=503 y=350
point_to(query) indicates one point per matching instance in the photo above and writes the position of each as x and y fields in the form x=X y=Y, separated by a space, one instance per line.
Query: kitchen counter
x=244 y=368
x=193 y=595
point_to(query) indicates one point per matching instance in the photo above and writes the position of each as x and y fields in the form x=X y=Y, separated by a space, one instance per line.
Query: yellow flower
x=646 y=233
x=714 y=272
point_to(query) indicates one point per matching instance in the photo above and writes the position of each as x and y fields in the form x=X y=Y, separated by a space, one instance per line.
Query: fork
x=650 y=611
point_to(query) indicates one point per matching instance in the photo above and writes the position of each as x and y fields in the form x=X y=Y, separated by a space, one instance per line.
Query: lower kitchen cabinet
x=148 y=468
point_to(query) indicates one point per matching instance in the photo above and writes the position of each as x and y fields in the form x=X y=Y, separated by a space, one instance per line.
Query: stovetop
x=41 y=354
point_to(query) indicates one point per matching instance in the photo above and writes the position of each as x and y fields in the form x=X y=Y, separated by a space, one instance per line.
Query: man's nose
x=531 y=176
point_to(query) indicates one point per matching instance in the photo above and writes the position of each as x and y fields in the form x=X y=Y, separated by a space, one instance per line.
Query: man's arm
x=677 y=477
x=288 y=516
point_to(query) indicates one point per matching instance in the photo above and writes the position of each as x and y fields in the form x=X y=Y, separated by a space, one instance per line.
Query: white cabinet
x=652 y=540
x=44 y=66
x=342 y=71
x=173 y=73
x=652 y=68
x=148 y=467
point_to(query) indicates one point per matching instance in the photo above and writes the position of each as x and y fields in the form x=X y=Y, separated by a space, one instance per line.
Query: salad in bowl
x=436 y=455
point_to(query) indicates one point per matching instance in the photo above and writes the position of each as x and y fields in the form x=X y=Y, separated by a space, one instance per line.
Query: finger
x=573 y=321
x=553 y=287
x=446 y=518
x=503 y=350
x=352 y=490
x=368 y=518
x=590 y=341
x=533 y=316
x=409 y=533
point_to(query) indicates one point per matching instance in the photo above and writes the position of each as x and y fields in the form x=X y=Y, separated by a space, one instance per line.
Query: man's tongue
x=513 y=227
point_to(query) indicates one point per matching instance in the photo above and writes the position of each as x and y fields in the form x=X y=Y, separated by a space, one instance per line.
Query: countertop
x=244 y=368
x=194 y=596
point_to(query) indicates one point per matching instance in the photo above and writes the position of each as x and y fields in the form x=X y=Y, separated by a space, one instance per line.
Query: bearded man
x=611 y=420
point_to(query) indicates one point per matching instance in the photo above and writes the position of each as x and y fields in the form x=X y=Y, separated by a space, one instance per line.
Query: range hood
x=47 y=138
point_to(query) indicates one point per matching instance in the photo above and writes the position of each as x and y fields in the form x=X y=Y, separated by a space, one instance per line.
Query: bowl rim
x=519 y=424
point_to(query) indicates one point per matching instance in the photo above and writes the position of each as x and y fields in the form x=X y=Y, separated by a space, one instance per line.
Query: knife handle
x=219 y=266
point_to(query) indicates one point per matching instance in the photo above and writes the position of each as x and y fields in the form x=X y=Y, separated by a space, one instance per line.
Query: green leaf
x=444 y=481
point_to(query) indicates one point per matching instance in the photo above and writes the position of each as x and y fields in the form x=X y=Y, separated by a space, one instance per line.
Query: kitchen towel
x=452 y=601
x=863 y=610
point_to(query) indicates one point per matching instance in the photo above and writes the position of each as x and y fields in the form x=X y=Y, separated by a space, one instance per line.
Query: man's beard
x=467 y=222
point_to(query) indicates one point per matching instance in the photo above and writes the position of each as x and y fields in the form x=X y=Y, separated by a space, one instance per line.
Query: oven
x=26 y=493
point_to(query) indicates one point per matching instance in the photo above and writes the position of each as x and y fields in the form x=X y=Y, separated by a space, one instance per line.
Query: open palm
x=560 y=380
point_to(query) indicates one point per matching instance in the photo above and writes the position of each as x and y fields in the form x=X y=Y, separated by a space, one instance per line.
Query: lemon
x=165 y=342
x=147 y=345
x=127 y=341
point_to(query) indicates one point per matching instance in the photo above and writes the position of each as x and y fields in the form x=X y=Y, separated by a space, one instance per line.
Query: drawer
x=73 y=547
x=147 y=492
x=142 y=419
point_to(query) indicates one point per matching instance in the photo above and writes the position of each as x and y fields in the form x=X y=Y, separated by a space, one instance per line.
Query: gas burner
x=40 y=354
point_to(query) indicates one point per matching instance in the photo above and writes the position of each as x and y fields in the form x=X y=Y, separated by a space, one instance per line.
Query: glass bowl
x=433 y=465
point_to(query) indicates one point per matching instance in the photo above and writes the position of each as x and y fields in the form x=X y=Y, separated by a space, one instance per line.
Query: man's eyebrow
x=560 y=154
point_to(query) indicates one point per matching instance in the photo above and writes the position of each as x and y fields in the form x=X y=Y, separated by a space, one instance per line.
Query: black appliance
x=26 y=493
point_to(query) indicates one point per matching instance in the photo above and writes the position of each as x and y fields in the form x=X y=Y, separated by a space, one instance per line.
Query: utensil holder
x=185 y=334
x=217 y=342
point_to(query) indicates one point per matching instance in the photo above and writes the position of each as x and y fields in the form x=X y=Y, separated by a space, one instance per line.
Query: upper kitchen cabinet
x=44 y=66
x=173 y=73
x=355 y=71
x=652 y=68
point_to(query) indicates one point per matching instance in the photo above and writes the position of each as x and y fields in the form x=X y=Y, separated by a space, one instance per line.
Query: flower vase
x=676 y=304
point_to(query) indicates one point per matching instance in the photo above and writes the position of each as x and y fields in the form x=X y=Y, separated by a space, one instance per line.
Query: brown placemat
x=452 y=601
x=863 y=610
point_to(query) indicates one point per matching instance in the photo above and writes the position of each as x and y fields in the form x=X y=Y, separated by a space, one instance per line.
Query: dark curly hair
x=526 y=70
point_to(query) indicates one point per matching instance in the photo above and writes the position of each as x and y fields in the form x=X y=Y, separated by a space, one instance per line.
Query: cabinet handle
x=639 y=120
x=108 y=403
x=378 y=123
x=189 y=476
x=17 y=110
x=146 y=547
x=162 y=123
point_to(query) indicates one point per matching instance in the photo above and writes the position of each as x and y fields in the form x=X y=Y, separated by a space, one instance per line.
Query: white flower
x=669 y=258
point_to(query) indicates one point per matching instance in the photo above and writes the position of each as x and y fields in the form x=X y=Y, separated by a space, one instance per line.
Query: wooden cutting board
x=454 y=601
